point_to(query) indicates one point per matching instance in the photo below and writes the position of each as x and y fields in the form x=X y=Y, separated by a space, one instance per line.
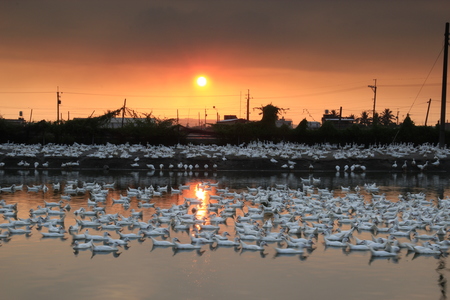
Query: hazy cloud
x=283 y=34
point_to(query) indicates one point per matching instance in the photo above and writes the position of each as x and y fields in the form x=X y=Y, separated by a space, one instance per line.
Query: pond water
x=33 y=267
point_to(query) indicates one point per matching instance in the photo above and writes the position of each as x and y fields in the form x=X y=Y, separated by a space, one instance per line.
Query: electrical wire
x=434 y=64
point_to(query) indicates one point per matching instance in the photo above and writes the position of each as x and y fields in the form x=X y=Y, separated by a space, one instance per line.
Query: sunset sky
x=305 y=56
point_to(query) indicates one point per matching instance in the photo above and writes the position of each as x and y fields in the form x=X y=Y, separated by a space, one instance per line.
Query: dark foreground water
x=33 y=267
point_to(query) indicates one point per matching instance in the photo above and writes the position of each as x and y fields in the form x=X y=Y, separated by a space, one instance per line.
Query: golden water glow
x=201 y=207
x=200 y=193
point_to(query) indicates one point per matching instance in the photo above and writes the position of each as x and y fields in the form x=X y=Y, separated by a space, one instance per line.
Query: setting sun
x=201 y=81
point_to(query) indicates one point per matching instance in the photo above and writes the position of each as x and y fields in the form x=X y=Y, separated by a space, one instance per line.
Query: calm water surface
x=33 y=267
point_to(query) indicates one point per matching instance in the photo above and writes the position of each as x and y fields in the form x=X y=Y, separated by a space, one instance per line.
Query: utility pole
x=205 y=119
x=248 y=105
x=444 y=89
x=58 y=103
x=374 y=89
x=428 y=111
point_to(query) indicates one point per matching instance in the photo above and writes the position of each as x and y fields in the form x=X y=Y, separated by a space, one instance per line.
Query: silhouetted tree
x=270 y=114
x=375 y=119
x=302 y=126
x=334 y=113
x=364 y=119
x=387 y=117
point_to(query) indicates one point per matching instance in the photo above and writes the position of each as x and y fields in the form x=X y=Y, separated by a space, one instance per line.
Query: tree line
x=145 y=129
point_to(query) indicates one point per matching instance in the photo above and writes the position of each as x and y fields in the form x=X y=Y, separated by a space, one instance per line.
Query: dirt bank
x=140 y=162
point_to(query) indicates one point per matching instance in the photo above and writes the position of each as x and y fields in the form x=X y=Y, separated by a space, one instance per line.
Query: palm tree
x=364 y=119
x=387 y=117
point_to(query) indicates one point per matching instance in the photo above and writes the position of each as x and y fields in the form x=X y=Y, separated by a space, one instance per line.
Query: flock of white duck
x=284 y=155
x=292 y=222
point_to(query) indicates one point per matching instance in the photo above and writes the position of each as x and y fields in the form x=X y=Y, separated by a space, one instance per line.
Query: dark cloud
x=276 y=34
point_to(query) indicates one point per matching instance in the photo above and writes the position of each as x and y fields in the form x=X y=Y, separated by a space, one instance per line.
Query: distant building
x=282 y=122
x=313 y=125
x=338 y=121
x=230 y=120
x=19 y=121
x=117 y=122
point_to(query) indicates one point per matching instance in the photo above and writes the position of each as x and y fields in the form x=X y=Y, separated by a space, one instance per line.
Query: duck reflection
x=442 y=280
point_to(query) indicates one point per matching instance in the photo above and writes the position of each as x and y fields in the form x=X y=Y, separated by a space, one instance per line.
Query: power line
x=408 y=85
x=314 y=94
x=27 y=92
x=149 y=96
x=434 y=64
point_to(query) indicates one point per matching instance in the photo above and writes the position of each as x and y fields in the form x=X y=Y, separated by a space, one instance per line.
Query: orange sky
x=307 y=56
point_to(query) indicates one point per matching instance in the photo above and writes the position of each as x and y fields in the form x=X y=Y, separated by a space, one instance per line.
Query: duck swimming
x=104 y=248
x=382 y=253
x=221 y=242
x=176 y=241
x=289 y=250
x=336 y=243
x=164 y=243
x=103 y=237
x=253 y=247
x=59 y=233
x=81 y=246
x=27 y=230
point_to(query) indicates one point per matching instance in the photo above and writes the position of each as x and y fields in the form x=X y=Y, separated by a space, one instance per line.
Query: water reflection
x=284 y=269
x=442 y=280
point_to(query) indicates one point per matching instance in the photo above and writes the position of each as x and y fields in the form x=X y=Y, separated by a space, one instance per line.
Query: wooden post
x=428 y=111
x=123 y=110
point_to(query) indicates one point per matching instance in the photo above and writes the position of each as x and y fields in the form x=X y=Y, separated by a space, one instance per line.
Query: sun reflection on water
x=201 y=207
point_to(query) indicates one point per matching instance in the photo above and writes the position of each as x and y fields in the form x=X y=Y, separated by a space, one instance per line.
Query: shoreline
x=230 y=164
x=254 y=157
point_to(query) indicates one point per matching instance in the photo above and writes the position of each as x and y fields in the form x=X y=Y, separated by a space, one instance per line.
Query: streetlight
x=217 y=113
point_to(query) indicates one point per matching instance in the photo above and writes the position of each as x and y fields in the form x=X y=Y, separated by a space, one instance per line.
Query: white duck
x=179 y=246
x=382 y=253
x=104 y=248
x=289 y=250
x=81 y=246
x=359 y=247
x=60 y=233
x=89 y=237
x=221 y=242
x=253 y=247
x=164 y=243
x=336 y=243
